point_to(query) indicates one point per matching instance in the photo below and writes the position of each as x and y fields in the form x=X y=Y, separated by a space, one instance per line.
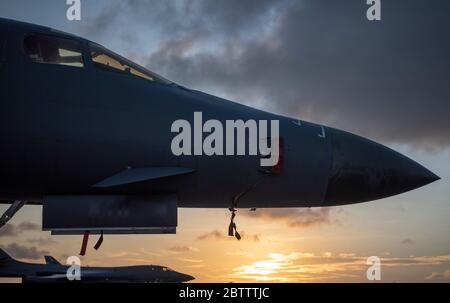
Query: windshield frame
x=155 y=77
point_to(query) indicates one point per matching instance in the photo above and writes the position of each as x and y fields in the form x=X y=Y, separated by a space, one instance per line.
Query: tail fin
x=4 y=257
x=51 y=260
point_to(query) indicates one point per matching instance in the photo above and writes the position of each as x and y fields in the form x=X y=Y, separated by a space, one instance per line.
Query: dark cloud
x=313 y=59
x=8 y=230
x=24 y=252
x=11 y=230
x=295 y=217
x=217 y=235
x=219 y=17
x=28 y=226
x=407 y=241
x=101 y=23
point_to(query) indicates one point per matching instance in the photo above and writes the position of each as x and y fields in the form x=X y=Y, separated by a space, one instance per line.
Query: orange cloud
x=217 y=235
x=439 y=276
x=308 y=267
x=190 y=260
x=295 y=217
x=181 y=249
x=11 y=230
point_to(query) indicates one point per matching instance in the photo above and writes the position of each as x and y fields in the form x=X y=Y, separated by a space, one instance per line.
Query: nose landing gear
x=232 y=230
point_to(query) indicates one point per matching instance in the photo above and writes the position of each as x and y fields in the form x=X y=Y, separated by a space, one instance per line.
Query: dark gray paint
x=155 y=214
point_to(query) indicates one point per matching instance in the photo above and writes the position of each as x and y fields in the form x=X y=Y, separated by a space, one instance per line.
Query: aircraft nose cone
x=363 y=170
x=187 y=278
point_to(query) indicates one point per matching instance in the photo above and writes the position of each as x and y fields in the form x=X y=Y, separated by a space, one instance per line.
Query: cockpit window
x=103 y=58
x=53 y=50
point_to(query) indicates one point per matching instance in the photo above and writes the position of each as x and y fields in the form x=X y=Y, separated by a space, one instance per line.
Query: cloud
x=42 y=241
x=24 y=252
x=122 y=254
x=217 y=235
x=299 y=266
x=190 y=260
x=407 y=241
x=311 y=59
x=439 y=275
x=11 y=230
x=295 y=217
x=8 y=230
x=27 y=226
x=181 y=249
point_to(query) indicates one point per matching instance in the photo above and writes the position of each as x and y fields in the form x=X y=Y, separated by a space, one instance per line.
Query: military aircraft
x=89 y=135
x=55 y=272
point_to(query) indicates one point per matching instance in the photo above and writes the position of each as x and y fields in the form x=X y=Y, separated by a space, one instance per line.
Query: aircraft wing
x=134 y=175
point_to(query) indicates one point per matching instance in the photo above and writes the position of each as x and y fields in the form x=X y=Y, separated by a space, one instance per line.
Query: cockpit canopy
x=106 y=59
x=49 y=49
x=53 y=50
x=163 y=268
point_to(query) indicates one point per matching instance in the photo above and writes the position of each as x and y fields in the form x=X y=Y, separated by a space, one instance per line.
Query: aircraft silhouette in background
x=55 y=272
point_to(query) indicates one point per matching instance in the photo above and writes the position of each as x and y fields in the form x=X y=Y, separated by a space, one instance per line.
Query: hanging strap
x=84 y=243
x=99 y=242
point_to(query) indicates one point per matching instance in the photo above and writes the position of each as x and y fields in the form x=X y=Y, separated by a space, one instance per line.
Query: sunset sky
x=320 y=61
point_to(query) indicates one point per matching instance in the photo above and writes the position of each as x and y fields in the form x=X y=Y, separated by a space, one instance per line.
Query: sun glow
x=297 y=267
